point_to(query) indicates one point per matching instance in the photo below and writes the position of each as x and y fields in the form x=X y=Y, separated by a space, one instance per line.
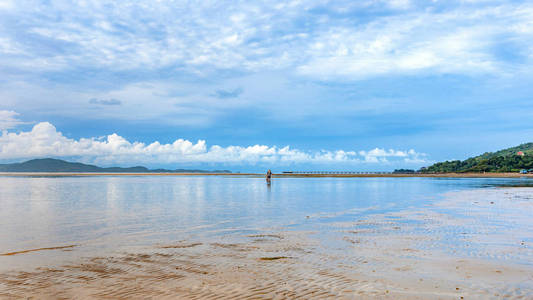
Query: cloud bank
x=44 y=140
x=340 y=38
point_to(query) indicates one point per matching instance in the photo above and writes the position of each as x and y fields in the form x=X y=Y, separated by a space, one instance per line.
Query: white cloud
x=399 y=4
x=8 y=119
x=255 y=36
x=44 y=140
x=450 y=42
x=6 y=4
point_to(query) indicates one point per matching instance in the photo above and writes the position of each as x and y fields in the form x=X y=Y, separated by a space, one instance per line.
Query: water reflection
x=112 y=212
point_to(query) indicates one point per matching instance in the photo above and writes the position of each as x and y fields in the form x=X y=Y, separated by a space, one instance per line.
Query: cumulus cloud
x=44 y=140
x=105 y=102
x=8 y=119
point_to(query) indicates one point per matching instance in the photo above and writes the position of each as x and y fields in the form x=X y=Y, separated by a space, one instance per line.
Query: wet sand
x=474 y=244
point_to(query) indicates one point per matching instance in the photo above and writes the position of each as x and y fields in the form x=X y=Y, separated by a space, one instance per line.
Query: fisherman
x=268 y=176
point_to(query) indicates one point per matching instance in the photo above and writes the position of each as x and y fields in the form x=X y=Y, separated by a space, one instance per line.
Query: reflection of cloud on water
x=113 y=195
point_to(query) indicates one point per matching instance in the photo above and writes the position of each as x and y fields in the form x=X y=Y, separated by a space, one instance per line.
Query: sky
x=369 y=85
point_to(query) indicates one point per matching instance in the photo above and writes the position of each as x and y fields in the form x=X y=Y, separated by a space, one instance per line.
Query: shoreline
x=433 y=175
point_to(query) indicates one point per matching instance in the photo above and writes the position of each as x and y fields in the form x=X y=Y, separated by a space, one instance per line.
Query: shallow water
x=382 y=224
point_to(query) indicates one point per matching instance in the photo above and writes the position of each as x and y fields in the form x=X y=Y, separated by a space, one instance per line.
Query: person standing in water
x=268 y=176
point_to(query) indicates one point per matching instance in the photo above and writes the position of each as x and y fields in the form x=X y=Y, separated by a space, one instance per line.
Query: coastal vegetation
x=404 y=171
x=513 y=159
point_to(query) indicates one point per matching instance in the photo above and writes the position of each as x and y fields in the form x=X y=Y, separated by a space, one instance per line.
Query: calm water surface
x=114 y=213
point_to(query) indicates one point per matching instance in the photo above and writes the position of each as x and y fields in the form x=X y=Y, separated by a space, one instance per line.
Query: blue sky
x=358 y=85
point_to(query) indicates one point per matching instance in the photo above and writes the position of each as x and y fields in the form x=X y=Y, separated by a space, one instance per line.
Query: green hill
x=58 y=165
x=506 y=160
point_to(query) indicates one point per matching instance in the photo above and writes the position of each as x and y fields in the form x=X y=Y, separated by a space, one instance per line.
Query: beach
x=472 y=243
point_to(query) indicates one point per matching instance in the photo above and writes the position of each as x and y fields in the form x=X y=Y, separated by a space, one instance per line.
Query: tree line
x=512 y=163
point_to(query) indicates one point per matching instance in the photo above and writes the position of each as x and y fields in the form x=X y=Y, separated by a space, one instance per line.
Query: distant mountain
x=58 y=165
x=511 y=159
